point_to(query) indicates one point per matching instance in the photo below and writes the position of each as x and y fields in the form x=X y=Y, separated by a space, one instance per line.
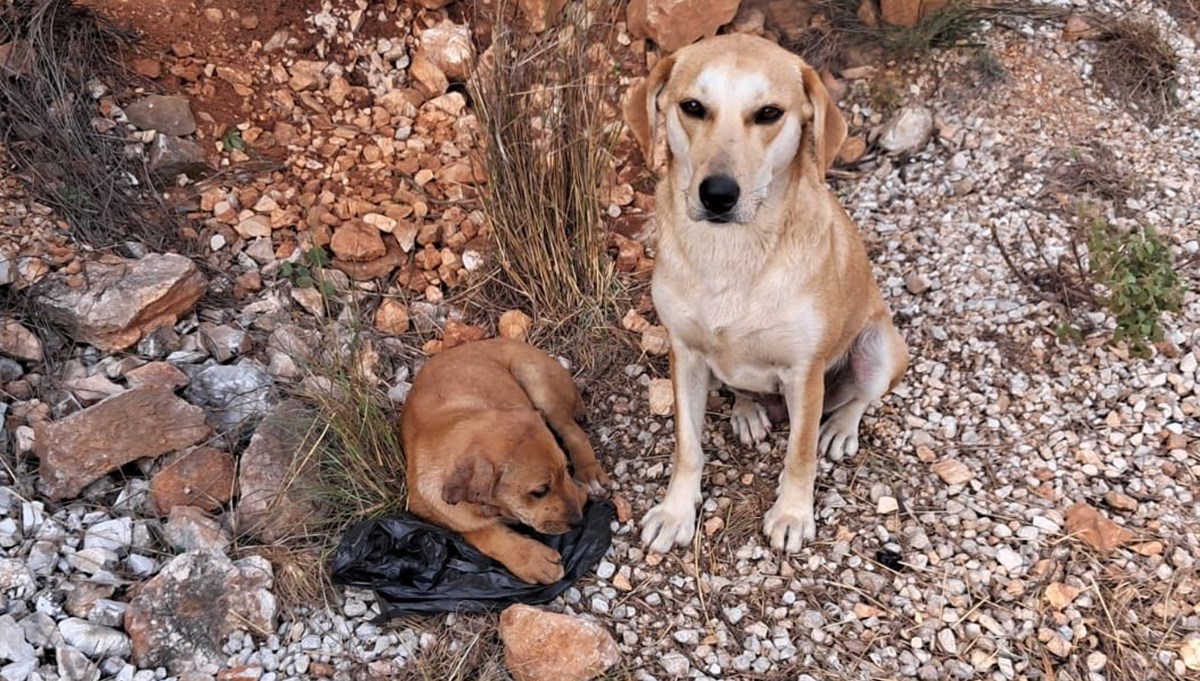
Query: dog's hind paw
x=788 y=528
x=593 y=478
x=749 y=421
x=668 y=525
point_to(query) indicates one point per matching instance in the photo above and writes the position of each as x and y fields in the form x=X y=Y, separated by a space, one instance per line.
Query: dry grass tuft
x=349 y=463
x=1136 y=622
x=843 y=32
x=470 y=651
x=548 y=151
x=1136 y=64
x=63 y=56
x=1091 y=171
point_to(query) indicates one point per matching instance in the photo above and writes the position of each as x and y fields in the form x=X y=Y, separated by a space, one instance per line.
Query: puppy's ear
x=828 y=127
x=641 y=107
x=473 y=480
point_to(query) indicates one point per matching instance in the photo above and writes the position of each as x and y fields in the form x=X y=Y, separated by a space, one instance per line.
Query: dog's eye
x=692 y=108
x=540 y=492
x=767 y=114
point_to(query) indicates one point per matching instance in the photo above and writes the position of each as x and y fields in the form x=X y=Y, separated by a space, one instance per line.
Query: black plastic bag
x=414 y=566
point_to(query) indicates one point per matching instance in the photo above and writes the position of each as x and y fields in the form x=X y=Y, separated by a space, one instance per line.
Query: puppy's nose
x=576 y=518
x=719 y=193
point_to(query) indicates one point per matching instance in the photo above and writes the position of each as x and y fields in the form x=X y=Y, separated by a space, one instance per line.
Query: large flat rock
x=122 y=300
x=144 y=422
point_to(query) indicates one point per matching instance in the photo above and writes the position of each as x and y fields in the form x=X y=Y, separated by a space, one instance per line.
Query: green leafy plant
x=1137 y=272
x=305 y=273
x=232 y=141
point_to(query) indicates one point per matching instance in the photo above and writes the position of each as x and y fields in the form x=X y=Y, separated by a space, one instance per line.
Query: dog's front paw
x=749 y=421
x=839 y=437
x=593 y=478
x=536 y=564
x=667 y=525
x=788 y=526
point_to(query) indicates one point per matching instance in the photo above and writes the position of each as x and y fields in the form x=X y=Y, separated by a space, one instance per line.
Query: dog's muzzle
x=719 y=194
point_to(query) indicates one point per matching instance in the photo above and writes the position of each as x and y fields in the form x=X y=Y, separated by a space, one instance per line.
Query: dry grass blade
x=1136 y=64
x=1133 y=621
x=1092 y=170
x=349 y=465
x=548 y=152
x=843 y=29
x=470 y=651
x=61 y=56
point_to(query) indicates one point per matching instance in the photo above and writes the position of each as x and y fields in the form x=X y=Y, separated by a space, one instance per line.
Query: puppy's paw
x=749 y=421
x=593 y=478
x=789 y=525
x=536 y=564
x=668 y=524
x=839 y=437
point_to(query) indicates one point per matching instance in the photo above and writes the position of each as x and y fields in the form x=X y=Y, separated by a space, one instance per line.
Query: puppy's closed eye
x=540 y=492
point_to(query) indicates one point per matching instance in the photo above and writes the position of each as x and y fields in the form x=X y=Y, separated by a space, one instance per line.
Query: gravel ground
x=943 y=549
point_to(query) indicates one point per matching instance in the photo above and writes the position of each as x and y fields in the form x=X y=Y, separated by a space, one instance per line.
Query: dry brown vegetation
x=548 y=152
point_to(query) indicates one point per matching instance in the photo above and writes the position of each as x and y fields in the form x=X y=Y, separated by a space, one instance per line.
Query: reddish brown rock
x=392 y=317
x=515 y=324
x=661 y=397
x=356 y=241
x=19 y=342
x=157 y=374
x=269 y=503
x=249 y=673
x=375 y=269
x=201 y=477
x=786 y=18
x=629 y=252
x=427 y=77
x=448 y=46
x=123 y=299
x=677 y=23
x=655 y=341
x=545 y=646
x=908 y=13
x=539 y=13
x=1086 y=524
x=457 y=333
x=145 y=422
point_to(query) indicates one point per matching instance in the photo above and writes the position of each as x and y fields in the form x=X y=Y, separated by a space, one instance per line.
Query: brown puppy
x=481 y=457
x=761 y=278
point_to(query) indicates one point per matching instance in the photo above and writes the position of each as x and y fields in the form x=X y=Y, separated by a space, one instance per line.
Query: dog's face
x=522 y=478
x=738 y=111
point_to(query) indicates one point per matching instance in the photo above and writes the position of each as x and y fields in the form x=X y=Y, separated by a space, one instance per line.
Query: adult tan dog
x=761 y=279
x=480 y=456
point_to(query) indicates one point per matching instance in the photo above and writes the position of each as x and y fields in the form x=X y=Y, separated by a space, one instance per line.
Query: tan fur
x=775 y=296
x=474 y=430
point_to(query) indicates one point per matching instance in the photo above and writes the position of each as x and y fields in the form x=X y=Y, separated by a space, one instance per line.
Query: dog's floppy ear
x=828 y=126
x=473 y=480
x=641 y=107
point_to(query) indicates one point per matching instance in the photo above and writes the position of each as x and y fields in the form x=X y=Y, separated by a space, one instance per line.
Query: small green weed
x=304 y=274
x=232 y=141
x=887 y=94
x=1141 y=283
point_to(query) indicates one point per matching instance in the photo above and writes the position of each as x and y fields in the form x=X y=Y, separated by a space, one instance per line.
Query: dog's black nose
x=719 y=193
x=576 y=518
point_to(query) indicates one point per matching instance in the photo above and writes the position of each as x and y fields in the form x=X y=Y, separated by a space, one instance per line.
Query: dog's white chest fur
x=753 y=330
